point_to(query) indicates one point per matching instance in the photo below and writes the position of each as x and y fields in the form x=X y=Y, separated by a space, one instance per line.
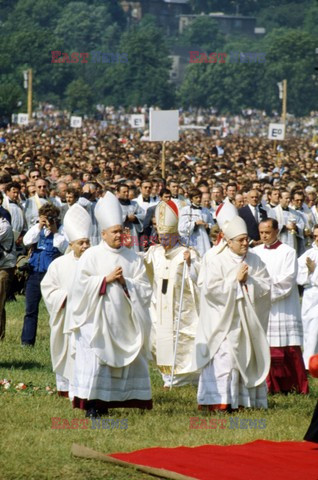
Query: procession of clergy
x=227 y=319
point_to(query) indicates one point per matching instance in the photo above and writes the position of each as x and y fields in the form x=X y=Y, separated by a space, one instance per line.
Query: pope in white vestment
x=165 y=264
x=56 y=288
x=308 y=277
x=111 y=321
x=231 y=345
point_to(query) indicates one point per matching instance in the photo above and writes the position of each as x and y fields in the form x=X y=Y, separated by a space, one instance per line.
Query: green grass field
x=31 y=449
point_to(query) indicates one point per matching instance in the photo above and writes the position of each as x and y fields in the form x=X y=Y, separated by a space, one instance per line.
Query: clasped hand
x=242 y=273
x=116 y=274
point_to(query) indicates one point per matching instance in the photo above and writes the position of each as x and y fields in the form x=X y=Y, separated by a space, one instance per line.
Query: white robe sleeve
x=186 y=222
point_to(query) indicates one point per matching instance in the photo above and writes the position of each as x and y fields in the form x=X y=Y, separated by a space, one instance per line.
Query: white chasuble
x=233 y=315
x=113 y=329
x=55 y=287
x=165 y=269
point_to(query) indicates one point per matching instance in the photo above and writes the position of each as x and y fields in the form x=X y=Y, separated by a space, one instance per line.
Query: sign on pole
x=137 y=121
x=76 y=122
x=276 y=131
x=164 y=125
x=23 y=119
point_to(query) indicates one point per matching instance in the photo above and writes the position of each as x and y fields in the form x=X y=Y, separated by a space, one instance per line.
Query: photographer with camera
x=8 y=259
x=47 y=242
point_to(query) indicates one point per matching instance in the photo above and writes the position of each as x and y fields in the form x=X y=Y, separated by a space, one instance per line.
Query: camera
x=51 y=219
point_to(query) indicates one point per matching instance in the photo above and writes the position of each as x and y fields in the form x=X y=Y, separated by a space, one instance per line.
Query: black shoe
x=92 y=413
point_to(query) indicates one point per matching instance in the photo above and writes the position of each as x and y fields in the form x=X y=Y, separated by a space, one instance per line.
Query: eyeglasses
x=41 y=186
x=34 y=176
x=240 y=240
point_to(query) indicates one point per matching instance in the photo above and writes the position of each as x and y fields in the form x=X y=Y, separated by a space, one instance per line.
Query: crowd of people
x=200 y=271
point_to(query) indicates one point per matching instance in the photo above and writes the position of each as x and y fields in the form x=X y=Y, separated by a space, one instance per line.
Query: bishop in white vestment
x=111 y=321
x=56 y=287
x=231 y=346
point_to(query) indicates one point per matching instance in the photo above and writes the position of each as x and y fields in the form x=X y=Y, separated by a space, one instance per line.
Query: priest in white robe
x=165 y=264
x=231 y=346
x=308 y=277
x=56 y=288
x=290 y=223
x=284 y=333
x=195 y=221
x=133 y=215
x=110 y=317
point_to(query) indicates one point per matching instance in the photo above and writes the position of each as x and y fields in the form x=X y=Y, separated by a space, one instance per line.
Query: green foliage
x=290 y=55
x=10 y=94
x=32 y=29
x=204 y=33
x=144 y=79
x=311 y=20
x=79 y=97
x=290 y=15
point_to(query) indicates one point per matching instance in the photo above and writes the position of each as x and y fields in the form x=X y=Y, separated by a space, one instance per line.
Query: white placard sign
x=137 y=121
x=14 y=118
x=76 y=122
x=23 y=119
x=276 y=131
x=164 y=125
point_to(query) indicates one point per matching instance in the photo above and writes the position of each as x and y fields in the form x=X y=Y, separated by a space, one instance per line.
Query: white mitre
x=77 y=223
x=166 y=214
x=234 y=228
x=225 y=213
x=108 y=211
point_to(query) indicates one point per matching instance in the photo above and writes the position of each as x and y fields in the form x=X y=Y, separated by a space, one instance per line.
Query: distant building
x=166 y=12
x=228 y=24
x=180 y=60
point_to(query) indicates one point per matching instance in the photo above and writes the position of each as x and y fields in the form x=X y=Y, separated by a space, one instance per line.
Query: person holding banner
x=164 y=264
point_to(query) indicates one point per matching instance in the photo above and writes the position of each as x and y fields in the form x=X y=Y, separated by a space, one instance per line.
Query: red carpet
x=259 y=460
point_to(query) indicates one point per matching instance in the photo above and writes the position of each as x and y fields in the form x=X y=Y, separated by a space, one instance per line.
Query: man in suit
x=253 y=214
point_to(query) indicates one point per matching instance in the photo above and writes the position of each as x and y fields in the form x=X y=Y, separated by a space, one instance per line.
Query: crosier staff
x=186 y=261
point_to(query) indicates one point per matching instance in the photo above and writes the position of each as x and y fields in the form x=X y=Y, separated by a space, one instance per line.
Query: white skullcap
x=108 y=211
x=235 y=227
x=166 y=214
x=77 y=223
x=225 y=213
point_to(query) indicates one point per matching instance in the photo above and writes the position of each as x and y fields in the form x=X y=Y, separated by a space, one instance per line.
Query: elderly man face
x=253 y=197
x=239 y=201
x=206 y=200
x=239 y=245
x=41 y=188
x=217 y=194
